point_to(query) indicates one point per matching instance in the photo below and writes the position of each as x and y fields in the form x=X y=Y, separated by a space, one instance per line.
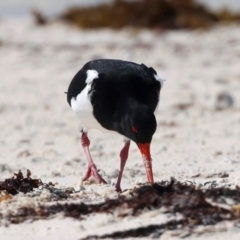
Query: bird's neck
x=123 y=114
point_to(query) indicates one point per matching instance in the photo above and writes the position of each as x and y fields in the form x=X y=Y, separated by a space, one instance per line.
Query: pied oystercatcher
x=119 y=96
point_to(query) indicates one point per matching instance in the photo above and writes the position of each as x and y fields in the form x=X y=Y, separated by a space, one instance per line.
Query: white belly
x=88 y=121
x=82 y=107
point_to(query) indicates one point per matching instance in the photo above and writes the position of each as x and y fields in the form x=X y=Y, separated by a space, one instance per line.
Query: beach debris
x=39 y=19
x=183 y=106
x=24 y=153
x=51 y=193
x=219 y=175
x=160 y=15
x=224 y=100
x=236 y=209
x=232 y=161
x=196 y=206
x=167 y=124
x=4 y=196
x=4 y=167
x=19 y=183
x=227 y=16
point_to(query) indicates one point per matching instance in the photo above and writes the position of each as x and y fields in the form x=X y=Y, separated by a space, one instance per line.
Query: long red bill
x=145 y=151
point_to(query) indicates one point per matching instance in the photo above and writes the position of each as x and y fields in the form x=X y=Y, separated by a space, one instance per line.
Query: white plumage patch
x=91 y=75
x=82 y=105
x=160 y=79
x=82 y=102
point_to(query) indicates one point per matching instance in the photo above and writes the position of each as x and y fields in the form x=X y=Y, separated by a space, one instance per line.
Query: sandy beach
x=198 y=121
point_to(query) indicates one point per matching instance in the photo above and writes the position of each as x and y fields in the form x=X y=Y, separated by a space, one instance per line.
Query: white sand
x=40 y=132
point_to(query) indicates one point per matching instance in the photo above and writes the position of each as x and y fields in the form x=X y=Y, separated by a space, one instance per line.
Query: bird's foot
x=92 y=172
x=118 y=188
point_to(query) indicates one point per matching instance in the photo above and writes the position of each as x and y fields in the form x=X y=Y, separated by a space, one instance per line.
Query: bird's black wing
x=119 y=79
x=122 y=68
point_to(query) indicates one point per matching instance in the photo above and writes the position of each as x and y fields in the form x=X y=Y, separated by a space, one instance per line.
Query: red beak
x=145 y=151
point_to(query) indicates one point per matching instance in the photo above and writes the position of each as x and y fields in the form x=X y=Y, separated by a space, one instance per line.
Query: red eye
x=134 y=129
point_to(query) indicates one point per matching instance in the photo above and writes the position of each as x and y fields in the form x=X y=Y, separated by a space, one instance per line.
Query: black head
x=139 y=123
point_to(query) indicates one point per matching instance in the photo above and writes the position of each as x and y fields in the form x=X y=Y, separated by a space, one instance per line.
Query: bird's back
x=119 y=67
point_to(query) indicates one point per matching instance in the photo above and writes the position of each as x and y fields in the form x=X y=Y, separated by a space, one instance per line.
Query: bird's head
x=139 y=125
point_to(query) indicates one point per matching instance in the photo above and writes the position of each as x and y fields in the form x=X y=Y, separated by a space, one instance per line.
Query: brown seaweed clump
x=226 y=15
x=196 y=206
x=164 y=14
x=39 y=18
x=19 y=183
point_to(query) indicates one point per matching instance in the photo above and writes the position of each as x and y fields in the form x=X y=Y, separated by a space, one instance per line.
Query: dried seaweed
x=147 y=14
x=19 y=183
x=153 y=231
x=175 y=196
x=5 y=196
x=196 y=206
x=162 y=14
x=39 y=18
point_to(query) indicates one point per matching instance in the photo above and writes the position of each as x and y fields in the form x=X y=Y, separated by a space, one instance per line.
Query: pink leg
x=92 y=170
x=123 y=157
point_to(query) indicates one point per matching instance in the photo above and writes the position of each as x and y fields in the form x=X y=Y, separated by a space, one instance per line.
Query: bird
x=120 y=97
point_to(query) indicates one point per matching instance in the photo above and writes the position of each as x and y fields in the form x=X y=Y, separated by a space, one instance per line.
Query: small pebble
x=224 y=101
